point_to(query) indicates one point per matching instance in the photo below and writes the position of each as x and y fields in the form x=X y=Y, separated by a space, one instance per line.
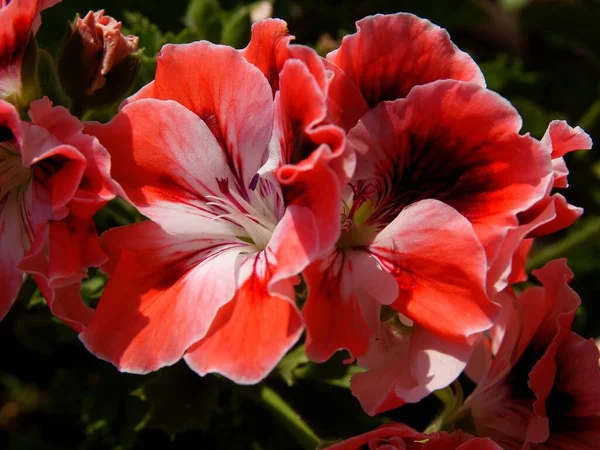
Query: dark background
x=544 y=56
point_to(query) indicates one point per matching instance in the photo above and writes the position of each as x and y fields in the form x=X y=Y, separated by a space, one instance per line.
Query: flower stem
x=452 y=399
x=283 y=413
x=591 y=116
x=581 y=235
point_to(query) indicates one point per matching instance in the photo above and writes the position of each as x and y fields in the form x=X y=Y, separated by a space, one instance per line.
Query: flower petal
x=66 y=303
x=228 y=93
x=345 y=290
x=300 y=122
x=565 y=215
x=96 y=187
x=251 y=333
x=458 y=143
x=391 y=54
x=267 y=47
x=12 y=250
x=57 y=168
x=440 y=289
x=162 y=296
x=407 y=368
x=71 y=248
x=17 y=19
x=167 y=171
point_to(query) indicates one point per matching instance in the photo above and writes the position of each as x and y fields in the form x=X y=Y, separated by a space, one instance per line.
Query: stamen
x=253 y=182
x=254 y=216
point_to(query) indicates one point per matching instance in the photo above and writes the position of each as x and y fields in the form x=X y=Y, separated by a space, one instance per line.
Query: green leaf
x=504 y=70
x=151 y=38
x=236 y=28
x=203 y=18
x=333 y=372
x=583 y=234
x=179 y=400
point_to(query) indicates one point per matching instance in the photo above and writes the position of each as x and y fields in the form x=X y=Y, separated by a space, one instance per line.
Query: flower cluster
x=380 y=200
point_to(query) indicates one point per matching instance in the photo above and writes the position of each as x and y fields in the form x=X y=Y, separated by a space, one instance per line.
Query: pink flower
x=53 y=178
x=242 y=187
x=19 y=19
x=395 y=436
x=104 y=46
x=542 y=389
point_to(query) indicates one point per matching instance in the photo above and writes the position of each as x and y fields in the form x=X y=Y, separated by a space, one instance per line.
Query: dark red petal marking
x=455 y=142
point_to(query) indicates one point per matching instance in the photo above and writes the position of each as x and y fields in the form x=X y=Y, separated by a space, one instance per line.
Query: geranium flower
x=20 y=19
x=211 y=277
x=396 y=436
x=441 y=173
x=435 y=181
x=542 y=389
x=53 y=178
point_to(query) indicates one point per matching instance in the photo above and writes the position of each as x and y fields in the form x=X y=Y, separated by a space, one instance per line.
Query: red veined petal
x=228 y=93
x=166 y=170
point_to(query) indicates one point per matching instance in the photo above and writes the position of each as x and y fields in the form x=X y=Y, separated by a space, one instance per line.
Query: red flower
x=53 y=178
x=395 y=436
x=18 y=20
x=435 y=180
x=441 y=172
x=243 y=190
x=542 y=389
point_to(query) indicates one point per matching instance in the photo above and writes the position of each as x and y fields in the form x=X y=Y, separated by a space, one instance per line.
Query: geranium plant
x=272 y=213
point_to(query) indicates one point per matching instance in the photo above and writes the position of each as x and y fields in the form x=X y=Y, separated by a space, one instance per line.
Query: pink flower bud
x=104 y=45
x=97 y=64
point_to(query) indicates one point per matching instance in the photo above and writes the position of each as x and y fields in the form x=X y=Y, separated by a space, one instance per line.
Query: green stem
x=452 y=399
x=583 y=234
x=591 y=116
x=283 y=413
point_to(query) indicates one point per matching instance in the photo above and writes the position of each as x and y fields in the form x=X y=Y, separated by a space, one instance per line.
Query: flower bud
x=97 y=64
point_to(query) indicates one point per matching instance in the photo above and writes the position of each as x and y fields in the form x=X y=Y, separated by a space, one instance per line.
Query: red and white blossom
x=243 y=190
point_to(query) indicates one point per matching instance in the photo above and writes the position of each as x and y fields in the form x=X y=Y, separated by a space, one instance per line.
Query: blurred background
x=543 y=55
